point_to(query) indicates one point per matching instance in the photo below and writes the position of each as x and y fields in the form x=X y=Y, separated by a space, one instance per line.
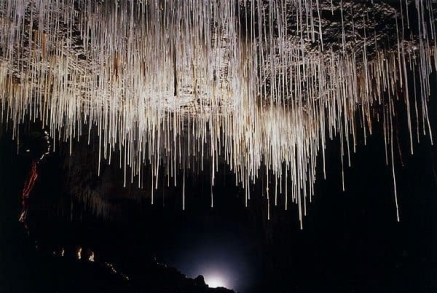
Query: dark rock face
x=200 y=281
x=47 y=260
x=67 y=274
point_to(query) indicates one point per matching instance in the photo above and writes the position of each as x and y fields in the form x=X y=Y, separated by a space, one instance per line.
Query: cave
x=218 y=146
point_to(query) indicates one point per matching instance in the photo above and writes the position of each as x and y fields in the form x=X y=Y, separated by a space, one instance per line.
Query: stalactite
x=176 y=83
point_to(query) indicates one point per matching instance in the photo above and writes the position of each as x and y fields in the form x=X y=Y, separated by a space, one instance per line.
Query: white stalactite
x=175 y=83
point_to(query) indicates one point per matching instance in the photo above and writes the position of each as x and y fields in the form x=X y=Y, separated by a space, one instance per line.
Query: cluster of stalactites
x=172 y=83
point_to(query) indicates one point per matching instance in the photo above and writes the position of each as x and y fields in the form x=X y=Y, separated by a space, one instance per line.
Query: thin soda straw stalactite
x=175 y=84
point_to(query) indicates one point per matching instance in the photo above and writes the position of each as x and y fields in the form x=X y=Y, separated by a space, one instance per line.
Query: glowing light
x=215 y=280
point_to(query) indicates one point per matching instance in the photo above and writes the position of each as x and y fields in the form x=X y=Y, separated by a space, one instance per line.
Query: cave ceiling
x=257 y=84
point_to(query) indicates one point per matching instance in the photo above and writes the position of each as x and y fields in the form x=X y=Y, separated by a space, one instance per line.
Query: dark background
x=351 y=241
